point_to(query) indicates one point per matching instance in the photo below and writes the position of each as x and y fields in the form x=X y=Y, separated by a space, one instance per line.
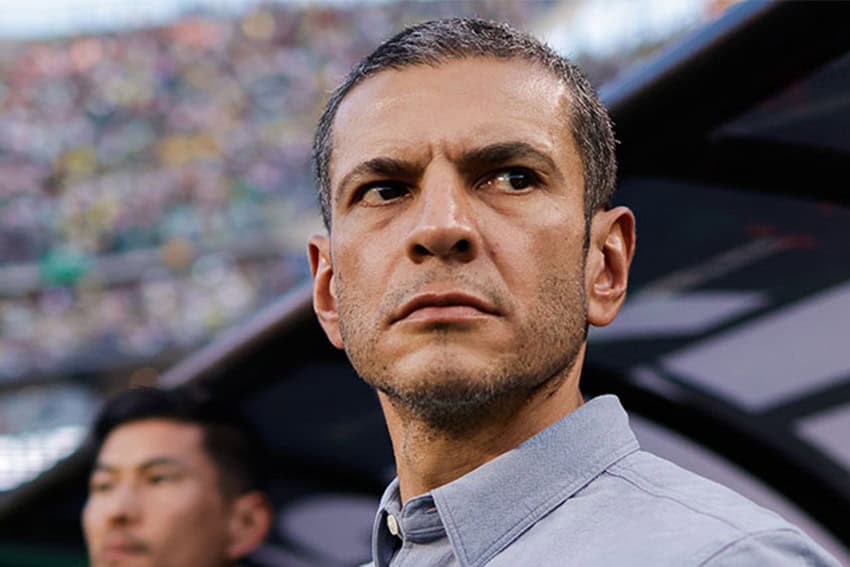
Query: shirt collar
x=489 y=507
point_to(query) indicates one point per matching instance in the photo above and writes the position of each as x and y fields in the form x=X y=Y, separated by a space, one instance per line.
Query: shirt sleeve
x=780 y=548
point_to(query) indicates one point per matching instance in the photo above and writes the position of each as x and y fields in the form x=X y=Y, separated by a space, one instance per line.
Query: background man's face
x=155 y=499
x=458 y=230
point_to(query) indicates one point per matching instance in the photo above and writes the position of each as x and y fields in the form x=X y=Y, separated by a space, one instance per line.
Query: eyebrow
x=150 y=463
x=502 y=153
x=379 y=166
x=471 y=160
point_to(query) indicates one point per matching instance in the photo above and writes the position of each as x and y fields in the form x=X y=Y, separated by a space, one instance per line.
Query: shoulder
x=644 y=510
x=773 y=547
x=659 y=485
x=723 y=526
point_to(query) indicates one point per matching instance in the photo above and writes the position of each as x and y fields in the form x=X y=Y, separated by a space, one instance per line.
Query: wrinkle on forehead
x=527 y=89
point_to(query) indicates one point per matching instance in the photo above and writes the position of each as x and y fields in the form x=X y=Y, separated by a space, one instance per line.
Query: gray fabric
x=582 y=493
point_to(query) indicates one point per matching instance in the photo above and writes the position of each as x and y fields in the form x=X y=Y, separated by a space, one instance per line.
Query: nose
x=123 y=506
x=445 y=225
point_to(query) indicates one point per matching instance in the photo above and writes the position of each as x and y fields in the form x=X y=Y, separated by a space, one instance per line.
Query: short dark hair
x=440 y=41
x=229 y=439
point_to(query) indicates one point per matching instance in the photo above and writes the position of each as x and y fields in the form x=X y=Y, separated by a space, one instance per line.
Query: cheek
x=187 y=504
x=528 y=254
x=180 y=545
x=560 y=238
x=362 y=267
x=91 y=520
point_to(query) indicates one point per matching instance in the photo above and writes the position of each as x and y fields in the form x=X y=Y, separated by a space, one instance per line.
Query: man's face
x=457 y=233
x=155 y=499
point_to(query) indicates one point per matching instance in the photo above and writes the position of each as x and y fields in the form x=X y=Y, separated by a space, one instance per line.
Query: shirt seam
x=645 y=486
x=747 y=536
x=549 y=504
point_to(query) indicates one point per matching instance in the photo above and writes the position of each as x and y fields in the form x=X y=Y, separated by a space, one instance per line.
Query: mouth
x=444 y=307
x=123 y=548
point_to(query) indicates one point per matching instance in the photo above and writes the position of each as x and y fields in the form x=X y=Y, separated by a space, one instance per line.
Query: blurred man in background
x=466 y=173
x=178 y=481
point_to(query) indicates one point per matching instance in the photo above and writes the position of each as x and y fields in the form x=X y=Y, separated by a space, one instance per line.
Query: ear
x=324 y=295
x=612 y=245
x=250 y=520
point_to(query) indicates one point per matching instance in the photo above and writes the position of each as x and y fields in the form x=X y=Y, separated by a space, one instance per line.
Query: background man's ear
x=250 y=519
x=324 y=296
x=612 y=245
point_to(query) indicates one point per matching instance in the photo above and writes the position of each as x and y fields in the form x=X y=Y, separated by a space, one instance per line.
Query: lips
x=450 y=305
x=123 y=547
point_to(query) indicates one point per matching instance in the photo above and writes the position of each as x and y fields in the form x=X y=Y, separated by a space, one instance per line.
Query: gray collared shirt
x=581 y=492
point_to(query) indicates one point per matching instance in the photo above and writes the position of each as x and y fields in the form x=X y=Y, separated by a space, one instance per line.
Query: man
x=465 y=173
x=177 y=481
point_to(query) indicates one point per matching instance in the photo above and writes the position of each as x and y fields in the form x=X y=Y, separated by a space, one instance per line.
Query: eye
x=98 y=485
x=159 y=478
x=383 y=192
x=513 y=180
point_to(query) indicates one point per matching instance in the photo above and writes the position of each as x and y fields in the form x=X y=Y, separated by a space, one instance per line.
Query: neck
x=427 y=457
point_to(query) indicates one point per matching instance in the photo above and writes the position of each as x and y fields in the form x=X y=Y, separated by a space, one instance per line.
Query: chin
x=453 y=398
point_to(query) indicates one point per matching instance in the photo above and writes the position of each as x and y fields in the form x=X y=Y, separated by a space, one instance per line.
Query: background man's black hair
x=229 y=439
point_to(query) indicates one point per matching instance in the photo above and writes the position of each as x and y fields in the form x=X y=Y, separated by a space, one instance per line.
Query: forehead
x=139 y=441
x=448 y=108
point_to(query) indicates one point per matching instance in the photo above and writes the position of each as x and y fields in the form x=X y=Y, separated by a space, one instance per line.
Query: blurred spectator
x=177 y=481
x=155 y=184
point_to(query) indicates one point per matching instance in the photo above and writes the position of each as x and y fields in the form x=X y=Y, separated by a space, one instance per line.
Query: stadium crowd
x=155 y=183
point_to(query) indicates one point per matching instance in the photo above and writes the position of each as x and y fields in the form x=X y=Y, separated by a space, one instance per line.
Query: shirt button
x=392 y=524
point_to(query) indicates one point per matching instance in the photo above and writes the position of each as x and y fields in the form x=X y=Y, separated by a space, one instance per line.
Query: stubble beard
x=446 y=399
